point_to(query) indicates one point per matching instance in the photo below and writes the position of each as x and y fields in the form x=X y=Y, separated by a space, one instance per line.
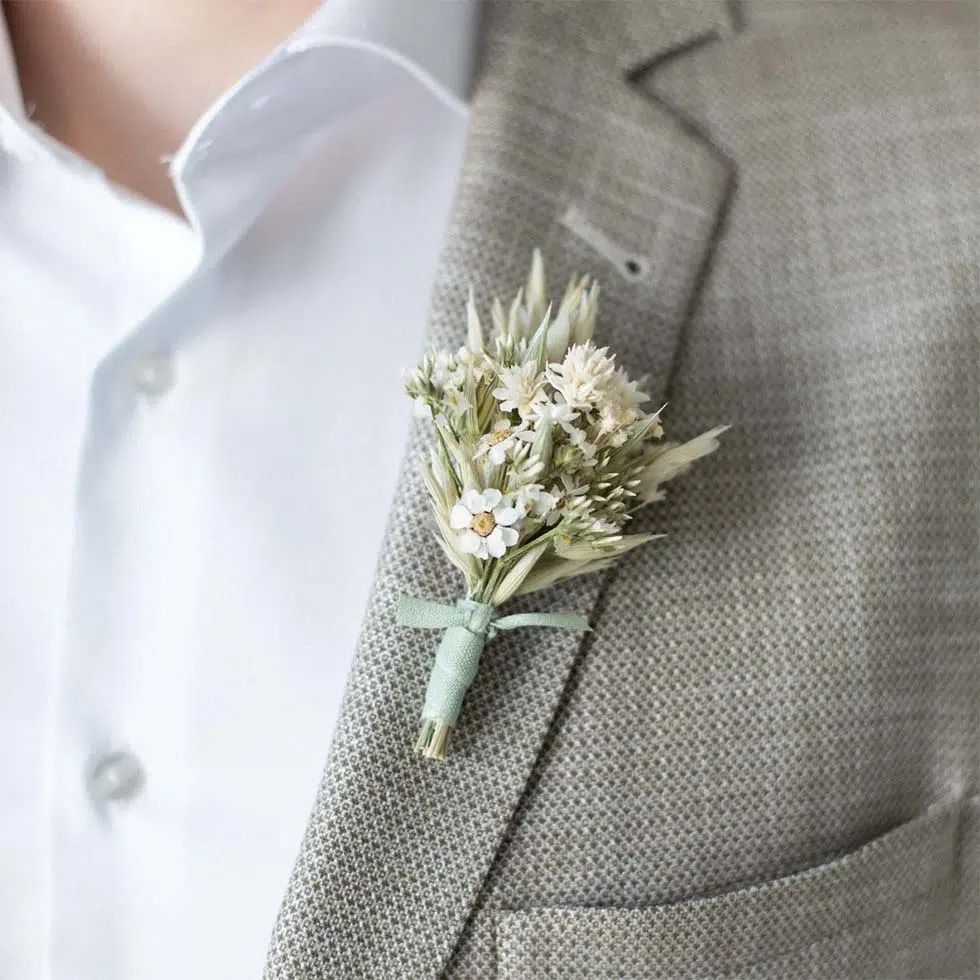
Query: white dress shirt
x=200 y=429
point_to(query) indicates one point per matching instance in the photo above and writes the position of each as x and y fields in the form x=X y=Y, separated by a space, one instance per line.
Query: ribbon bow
x=469 y=626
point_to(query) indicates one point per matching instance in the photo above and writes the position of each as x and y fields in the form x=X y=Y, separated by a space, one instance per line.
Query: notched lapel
x=397 y=848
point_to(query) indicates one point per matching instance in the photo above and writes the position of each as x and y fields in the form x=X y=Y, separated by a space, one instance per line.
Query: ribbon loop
x=423 y=614
x=479 y=617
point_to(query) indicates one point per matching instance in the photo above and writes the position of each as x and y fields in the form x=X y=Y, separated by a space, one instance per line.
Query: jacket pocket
x=861 y=914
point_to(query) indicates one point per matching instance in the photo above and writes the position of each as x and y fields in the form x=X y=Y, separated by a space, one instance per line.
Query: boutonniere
x=543 y=455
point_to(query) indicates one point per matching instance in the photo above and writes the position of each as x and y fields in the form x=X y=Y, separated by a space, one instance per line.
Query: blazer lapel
x=566 y=153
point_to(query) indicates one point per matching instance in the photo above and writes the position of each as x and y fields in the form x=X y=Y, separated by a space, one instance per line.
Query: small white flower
x=476 y=363
x=579 y=440
x=626 y=393
x=583 y=375
x=456 y=400
x=518 y=388
x=535 y=501
x=619 y=408
x=503 y=442
x=603 y=527
x=543 y=410
x=485 y=523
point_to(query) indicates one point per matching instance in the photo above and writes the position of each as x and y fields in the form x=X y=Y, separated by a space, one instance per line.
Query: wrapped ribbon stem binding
x=542 y=456
x=469 y=627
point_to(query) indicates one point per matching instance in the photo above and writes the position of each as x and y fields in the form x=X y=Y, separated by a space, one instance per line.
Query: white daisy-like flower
x=485 y=523
x=456 y=400
x=503 y=442
x=518 y=388
x=533 y=500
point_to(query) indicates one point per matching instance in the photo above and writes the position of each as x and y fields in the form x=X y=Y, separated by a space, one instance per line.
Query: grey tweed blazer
x=763 y=761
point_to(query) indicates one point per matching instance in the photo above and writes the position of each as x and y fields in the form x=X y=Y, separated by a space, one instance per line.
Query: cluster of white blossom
x=543 y=451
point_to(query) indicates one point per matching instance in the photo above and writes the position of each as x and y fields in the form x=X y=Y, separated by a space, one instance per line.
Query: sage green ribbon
x=469 y=627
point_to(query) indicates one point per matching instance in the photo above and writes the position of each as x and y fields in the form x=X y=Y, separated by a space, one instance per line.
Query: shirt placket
x=117 y=757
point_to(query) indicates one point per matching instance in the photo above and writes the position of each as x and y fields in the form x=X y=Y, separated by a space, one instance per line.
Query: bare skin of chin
x=121 y=82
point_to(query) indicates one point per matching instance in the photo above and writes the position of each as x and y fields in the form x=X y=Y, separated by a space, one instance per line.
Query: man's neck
x=122 y=81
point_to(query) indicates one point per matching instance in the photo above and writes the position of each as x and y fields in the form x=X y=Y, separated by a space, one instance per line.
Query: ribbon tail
x=564 y=621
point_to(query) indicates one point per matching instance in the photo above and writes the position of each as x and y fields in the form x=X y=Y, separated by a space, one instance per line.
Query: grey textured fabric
x=789 y=681
x=908 y=875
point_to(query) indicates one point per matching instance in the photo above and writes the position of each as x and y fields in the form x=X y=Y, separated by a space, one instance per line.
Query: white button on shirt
x=153 y=373
x=200 y=430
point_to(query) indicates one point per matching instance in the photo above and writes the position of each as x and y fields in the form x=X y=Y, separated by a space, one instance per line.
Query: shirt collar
x=10 y=97
x=432 y=38
x=349 y=51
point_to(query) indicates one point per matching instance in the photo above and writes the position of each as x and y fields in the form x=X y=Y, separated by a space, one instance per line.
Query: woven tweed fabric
x=790 y=680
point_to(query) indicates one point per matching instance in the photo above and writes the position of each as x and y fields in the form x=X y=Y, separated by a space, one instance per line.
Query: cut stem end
x=433 y=740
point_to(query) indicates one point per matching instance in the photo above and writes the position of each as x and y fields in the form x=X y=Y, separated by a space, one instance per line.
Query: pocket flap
x=721 y=934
